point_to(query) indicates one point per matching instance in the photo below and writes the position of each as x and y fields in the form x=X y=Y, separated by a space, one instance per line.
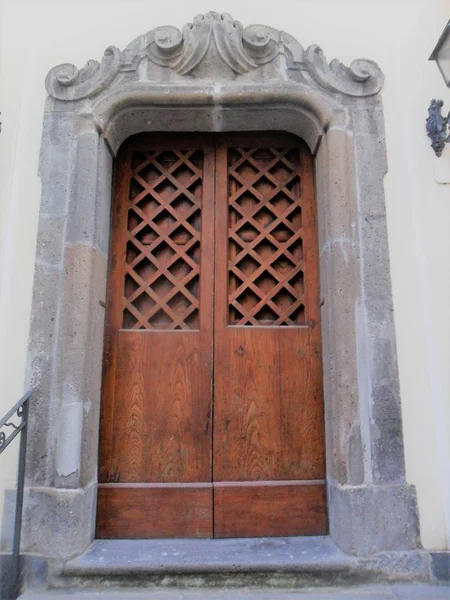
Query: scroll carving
x=211 y=38
x=362 y=78
x=241 y=49
x=66 y=82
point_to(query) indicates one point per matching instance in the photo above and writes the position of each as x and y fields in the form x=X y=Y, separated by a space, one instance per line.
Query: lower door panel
x=162 y=510
x=269 y=508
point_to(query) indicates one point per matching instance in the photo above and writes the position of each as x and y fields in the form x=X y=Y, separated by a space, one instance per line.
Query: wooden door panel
x=268 y=410
x=156 y=394
x=154 y=511
x=212 y=313
x=162 y=420
x=269 y=508
x=268 y=418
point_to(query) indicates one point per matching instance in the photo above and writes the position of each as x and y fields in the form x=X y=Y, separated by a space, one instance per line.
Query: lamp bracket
x=438 y=127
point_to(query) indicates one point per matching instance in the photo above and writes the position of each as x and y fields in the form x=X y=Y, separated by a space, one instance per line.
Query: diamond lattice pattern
x=161 y=289
x=266 y=283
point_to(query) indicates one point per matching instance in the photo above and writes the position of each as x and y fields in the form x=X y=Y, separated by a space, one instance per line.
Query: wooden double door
x=212 y=409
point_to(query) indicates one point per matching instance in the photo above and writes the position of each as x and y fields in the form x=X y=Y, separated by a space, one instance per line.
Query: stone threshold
x=189 y=556
x=275 y=563
x=394 y=592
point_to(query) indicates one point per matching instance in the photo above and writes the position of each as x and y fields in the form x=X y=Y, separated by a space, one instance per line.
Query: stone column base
x=59 y=523
x=367 y=519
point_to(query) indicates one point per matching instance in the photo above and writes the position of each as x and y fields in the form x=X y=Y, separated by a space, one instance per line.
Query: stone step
x=200 y=556
x=238 y=562
x=274 y=562
x=376 y=592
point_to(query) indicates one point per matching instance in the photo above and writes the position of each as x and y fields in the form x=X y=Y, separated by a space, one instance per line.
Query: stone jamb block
x=59 y=523
x=368 y=519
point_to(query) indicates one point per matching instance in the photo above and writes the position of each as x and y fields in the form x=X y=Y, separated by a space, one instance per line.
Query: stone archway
x=216 y=76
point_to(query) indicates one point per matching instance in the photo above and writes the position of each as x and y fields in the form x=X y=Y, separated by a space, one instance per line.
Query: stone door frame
x=216 y=76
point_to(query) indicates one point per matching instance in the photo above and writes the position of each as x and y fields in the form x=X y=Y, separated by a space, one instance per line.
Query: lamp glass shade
x=443 y=60
x=441 y=54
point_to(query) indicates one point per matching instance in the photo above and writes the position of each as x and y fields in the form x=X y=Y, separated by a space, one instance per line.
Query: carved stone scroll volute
x=66 y=82
x=216 y=40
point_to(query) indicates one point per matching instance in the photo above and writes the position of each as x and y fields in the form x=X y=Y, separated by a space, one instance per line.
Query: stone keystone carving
x=211 y=37
x=241 y=49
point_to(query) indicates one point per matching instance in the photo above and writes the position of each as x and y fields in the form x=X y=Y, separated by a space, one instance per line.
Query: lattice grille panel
x=162 y=273
x=266 y=282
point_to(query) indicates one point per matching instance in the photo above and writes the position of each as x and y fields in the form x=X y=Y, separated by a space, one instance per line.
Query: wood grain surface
x=154 y=511
x=212 y=403
x=268 y=409
x=156 y=395
x=269 y=508
x=162 y=425
x=268 y=421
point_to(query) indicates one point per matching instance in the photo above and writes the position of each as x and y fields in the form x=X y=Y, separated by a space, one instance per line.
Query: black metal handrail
x=19 y=410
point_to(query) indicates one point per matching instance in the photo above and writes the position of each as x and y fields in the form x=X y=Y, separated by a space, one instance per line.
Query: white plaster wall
x=399 y=35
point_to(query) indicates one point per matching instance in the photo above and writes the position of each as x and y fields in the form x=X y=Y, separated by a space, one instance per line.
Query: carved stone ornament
x=209 y=38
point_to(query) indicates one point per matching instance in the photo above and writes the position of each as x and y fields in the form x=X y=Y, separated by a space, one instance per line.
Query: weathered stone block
x=367 y=116
x=375 y=271
x=372 y=163
x=440 y=567
x=340 y=356
x=81 y=221
x=56 y=162
x=79 y=366
x=377 y=329
x=340 y=212
x=50 y=246
x=103 y=199
x=40 y=369
x=58 y=522
x=373 y=518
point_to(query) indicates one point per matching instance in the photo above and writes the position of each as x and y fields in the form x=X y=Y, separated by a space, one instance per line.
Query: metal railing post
x=20 y=492
x=21 y=410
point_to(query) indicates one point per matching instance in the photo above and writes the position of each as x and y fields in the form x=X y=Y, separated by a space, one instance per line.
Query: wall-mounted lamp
x=438 y=127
